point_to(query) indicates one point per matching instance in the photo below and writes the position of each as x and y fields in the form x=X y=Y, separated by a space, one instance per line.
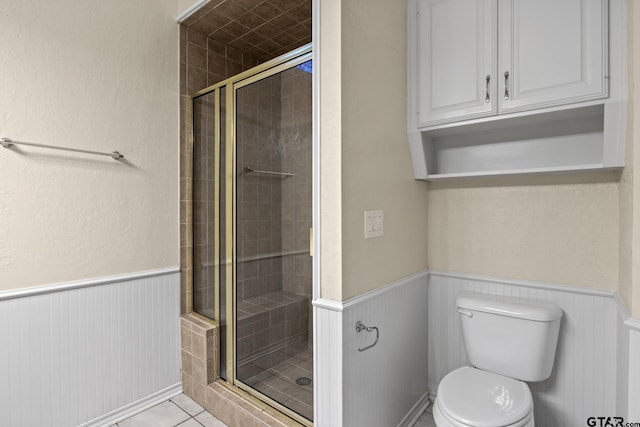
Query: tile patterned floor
x=181 y=411
x=178 y=411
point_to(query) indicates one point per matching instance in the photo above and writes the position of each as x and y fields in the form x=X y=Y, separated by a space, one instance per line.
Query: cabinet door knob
x=487 y=98
x=506 y=85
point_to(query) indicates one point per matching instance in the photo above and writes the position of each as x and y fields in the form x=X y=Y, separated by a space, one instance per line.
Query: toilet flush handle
x=467 y=313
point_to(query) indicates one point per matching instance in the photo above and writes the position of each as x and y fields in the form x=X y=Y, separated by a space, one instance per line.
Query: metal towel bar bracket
x=281 y=174
x=362 y=327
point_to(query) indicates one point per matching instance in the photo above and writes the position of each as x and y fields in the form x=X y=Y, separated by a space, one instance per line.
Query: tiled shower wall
x=274 y=134
x=259 y=196
x=296 y=192
x=199 y=354
x=204 y=205
x=203 y=62
x=274 y=216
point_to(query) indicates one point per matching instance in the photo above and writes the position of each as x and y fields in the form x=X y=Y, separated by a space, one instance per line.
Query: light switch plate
x=373 y=224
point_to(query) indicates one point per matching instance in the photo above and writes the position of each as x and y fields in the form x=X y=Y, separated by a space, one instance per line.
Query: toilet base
x=442 y=420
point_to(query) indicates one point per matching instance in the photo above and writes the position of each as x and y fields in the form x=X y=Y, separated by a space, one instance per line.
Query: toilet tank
x=514 y=338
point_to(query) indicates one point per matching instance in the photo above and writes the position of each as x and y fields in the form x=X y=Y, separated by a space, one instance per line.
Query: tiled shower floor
x=279 y=381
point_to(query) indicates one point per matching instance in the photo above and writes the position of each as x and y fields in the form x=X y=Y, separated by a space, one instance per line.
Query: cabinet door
x=551 y=52
x=457 y=41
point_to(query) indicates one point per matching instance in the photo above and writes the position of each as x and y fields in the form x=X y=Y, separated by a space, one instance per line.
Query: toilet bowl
x=507 y=342
x=473 y=397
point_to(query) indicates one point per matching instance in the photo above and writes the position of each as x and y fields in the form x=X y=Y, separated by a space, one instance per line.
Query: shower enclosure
x=252 y=189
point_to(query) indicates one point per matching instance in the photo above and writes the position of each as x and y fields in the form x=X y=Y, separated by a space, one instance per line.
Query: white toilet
x=507 y=342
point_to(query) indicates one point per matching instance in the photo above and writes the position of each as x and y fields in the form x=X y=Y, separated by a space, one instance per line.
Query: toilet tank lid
x=541 y=312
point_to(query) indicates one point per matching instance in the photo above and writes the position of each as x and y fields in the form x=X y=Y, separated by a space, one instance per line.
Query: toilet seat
x=443 y=420
x=473 y=397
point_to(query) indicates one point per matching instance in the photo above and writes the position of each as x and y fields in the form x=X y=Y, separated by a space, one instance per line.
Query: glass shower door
x=273 y=280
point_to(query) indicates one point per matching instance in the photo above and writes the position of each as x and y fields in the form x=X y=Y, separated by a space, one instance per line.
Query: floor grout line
x=183 y=410
x=190 y=417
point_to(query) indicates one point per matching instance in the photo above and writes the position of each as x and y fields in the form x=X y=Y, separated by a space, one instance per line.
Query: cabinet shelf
x=516 y=97
x=532 y=171
x=540 y=142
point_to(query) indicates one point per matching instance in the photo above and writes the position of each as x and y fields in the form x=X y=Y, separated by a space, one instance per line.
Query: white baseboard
x=416 y=412
x=136 y=407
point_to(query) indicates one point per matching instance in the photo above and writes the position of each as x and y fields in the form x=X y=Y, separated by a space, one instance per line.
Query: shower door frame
x=231 y=85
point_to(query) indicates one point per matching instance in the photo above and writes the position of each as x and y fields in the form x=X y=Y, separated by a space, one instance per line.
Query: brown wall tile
x=196 y=37
x=196 y=56
x=207 y=61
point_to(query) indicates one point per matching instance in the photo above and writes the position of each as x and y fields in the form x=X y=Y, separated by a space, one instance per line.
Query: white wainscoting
x=383 y=384
x=387 y=384
x=327 y=318
x=634 y=371
x=622 y=360
x=91 y=352
x=583 y=382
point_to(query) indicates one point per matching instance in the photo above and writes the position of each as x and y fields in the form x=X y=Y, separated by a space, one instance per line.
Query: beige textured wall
x=99 y=76
x=365 y=157
x=183 y=5
x=579 y=230
x=554 y=229
x=630 y=182
x=626 y=226
x=376 y=164
x=635 y=155
x=330 y=69
x=558 y=229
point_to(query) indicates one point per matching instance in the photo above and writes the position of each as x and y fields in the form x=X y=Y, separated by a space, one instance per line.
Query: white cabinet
x=551 y=52
x=487 y=57
x=457 y=60
x=516 y=86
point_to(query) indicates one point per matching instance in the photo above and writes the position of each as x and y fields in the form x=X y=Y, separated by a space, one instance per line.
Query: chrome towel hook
x=362 y=327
